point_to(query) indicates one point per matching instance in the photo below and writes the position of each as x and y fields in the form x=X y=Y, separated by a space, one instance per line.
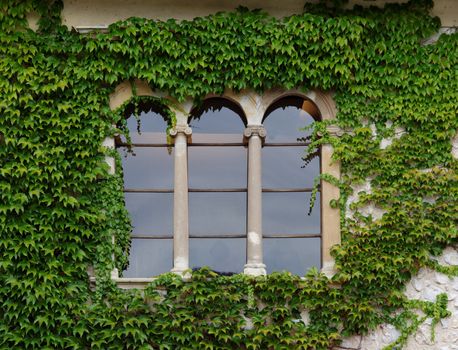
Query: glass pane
x=295 y=255
x=217 y=121
x=286 y=213
x=283 y=167
x=221 y=255
x=149 y=257
x=217 y=167
x=149 y=167
x=217 y=213
x=152 y=128
x=289 y=115
x=151 y=213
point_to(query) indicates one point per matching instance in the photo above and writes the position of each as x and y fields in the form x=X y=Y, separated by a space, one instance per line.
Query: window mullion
x=180 y=200
x=254 y=264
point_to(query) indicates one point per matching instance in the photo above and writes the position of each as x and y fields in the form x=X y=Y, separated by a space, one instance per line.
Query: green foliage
x=60 y=208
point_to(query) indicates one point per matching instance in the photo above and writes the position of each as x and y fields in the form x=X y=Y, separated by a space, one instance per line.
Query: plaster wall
x=425 y=286
x=93 y=13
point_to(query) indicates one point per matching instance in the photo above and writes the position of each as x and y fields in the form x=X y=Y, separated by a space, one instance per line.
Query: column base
x=181 y=271
x=255 y=269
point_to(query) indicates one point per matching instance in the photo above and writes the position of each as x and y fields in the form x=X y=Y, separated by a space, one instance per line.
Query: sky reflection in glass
x=149 y=257
x=222 y=255
x=286 y=213
x=151 y=213
x=218 y=120
x=284 y=124
x=148 y=167
x=217 y=213
x=217 y=167
x=296 y=255
x=283 y=167
x=152 y=128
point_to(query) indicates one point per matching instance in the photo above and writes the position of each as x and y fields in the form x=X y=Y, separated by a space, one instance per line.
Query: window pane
x=286 y=213
x=217 y=213
x=283 y=167
x=222 y=255
x=217 y=167
x=149 y=257
x=149 y=167
x=151 y=213
x=288 y=116
x=295 y=255
x=152 y=128
x=218 y=120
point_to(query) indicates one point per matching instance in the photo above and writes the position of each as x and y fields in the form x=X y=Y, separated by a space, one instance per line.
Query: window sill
x=142 y=282
x=127 y=283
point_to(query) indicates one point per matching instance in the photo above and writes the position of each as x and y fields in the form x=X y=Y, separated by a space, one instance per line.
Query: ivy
x=60 y=208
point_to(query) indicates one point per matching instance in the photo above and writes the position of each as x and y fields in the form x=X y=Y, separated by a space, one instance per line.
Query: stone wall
x=425 y=286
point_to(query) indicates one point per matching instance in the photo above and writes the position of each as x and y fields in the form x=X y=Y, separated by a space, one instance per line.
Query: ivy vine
x=60 y=207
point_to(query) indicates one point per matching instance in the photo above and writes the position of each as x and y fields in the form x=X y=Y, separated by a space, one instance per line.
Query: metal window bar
x=211 y=190
x=226 y=236
x=213 y=144
x=135 y=144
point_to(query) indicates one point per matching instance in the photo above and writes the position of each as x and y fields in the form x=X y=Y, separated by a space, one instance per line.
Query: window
x=233 y=190
x=291 y=237
x=217 y=168
x=148 y=193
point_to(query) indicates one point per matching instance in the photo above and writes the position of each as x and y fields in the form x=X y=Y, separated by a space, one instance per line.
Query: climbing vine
x=60 y=206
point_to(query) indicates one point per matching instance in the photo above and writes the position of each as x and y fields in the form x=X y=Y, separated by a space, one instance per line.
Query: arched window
x=217 y=168
x=292 y=239
x=232 y=191
x=148 y=190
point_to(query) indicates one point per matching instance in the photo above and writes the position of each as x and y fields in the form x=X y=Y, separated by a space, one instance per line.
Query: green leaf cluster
x=60 y=208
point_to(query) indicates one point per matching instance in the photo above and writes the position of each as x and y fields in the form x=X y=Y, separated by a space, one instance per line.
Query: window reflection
x=284 y=167
x=148 y=171
x=287 y=213
x=217 y=120
x=149 y=257
x=152 y=128
x=151 y=213
x=217 y=167
x=216 y=213
x=287 y=179
x=286 y=118
x=295 y=255
x=147 y=167
x=222 y=255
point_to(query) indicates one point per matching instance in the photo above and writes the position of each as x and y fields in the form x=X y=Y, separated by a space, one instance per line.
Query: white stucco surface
x=424 y=286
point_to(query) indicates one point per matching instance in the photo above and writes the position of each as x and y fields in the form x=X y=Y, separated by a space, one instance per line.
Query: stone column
x=255 y=135
x=180 y=200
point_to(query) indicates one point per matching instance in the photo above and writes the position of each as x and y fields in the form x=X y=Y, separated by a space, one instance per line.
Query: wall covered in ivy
x=60 y=207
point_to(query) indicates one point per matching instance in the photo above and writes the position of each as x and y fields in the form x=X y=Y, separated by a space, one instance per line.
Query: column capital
x=257 y=130
x=178 y=129
x=334 y=130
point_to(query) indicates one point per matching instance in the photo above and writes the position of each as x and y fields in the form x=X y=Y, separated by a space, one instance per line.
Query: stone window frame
x=254 y=106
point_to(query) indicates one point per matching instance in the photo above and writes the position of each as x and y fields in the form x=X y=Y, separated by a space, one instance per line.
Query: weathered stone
x=352 y=342
x=418 y=284
x=432 y=292
x=451 y=257
x=441 y=278
x=426 y=285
